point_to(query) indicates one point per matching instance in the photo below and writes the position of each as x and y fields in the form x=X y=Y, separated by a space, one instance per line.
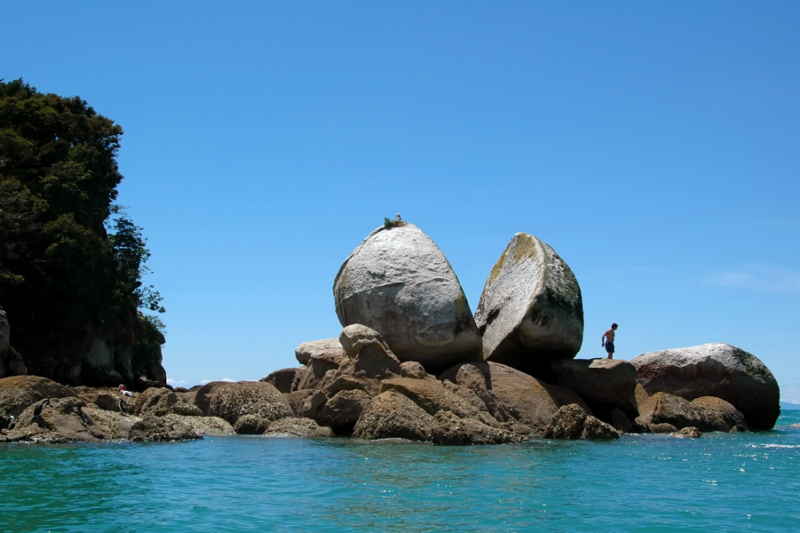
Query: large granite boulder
x=282 y=379
x=399 y=283
x=531 y=309
x=231 y=400
x=160 y=402
x=719 y=370
x=603 y=383
x=433 y=397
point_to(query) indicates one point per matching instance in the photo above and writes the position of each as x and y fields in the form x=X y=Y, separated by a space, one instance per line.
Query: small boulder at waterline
x=716 y=369
x=399 y=283
x=531 y=309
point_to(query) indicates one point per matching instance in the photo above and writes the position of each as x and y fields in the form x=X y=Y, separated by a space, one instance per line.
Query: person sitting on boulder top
x=609 y=344
x=124 y=391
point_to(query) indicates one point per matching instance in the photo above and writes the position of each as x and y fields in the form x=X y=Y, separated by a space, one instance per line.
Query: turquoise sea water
x=720 y=482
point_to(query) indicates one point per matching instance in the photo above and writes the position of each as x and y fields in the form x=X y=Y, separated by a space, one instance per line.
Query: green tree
x=63 y=279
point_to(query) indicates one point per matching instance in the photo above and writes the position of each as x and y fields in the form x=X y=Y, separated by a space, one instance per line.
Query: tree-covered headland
x=71 y=260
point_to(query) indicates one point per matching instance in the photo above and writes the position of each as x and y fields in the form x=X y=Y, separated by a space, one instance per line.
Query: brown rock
x=160 y=402
x=371 y=354
x=433 y=397
x=161 y=429
x=413 y=370
x=610 y=382
x=566 y=423
x=61 y=420
x=282 y=379
x=523 y=397
x=250 y=425
x=298 y=428
x=393 y=415
x=596 y=429
x=688 y=433
x=306 y=402
x=662 y=428
x=706 y=414
x=565 y=396
x=232 y=400
x=19 y=392
x=452 y=430
x=343 y=410
x=620 y=421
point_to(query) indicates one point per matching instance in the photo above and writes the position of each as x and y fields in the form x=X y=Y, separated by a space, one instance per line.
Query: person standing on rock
x=607 y=340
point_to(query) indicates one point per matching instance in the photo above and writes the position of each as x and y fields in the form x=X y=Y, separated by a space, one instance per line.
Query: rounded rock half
x=399 y=283
x=531 y=309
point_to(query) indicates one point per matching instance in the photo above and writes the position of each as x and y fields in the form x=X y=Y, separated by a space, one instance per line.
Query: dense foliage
x=64 y=280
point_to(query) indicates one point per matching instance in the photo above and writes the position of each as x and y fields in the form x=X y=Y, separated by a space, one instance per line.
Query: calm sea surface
x=720 y=482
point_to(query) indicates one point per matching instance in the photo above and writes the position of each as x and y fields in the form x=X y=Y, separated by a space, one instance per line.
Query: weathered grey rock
x=282 y=379
x=250 y=425
x=566 y=423
x=393 y=415
x=531 y=309
x=212 y=426
x=327 y=349
x=61 y=420
x=298 y=428
x=19 y=392
x=609 y=382
x=343 y=410
x=399 y=283
x=232 y=400
x=596 y=429
x=718 y=370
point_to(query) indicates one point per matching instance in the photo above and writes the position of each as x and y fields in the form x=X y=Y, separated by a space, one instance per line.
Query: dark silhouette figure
x=37 y=412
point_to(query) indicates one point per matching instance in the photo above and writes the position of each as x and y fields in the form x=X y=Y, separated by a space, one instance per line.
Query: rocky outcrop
x=531 y=310
x=718 y=370
x=450 y=430
x=232 y=400
x=705 y=414
x=399 y=283
x=603 y=383
x=161 y=429
x=688 y=433
x=19 y=392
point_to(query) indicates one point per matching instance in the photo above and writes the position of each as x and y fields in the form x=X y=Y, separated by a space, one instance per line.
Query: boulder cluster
x=412 y=362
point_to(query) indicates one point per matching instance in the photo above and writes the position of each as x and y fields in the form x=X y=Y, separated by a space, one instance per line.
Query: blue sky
x=654 y=145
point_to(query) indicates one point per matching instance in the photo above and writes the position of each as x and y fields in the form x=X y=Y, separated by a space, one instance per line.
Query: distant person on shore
x=608 y=340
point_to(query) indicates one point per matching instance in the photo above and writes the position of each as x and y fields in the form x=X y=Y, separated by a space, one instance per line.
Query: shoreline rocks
x=718 y=370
